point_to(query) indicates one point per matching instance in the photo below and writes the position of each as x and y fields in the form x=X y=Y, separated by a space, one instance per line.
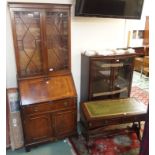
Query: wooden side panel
x=84 y=88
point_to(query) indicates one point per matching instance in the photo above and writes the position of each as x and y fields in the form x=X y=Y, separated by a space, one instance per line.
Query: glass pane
x=28 y=42
x=111 y=78
x=122 y=76
x=57 y=40
x=101 y=79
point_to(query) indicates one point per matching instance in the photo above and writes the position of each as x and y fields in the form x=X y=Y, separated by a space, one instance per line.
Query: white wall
x=86 y=33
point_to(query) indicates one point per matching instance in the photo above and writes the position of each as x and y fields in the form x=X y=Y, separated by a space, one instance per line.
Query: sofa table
x=97 y=116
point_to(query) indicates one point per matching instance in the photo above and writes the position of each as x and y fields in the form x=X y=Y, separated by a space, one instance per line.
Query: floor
x=140 y=81
x=63 y=147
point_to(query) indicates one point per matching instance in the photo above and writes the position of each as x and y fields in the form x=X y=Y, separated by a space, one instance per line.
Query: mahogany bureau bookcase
x=41 y=34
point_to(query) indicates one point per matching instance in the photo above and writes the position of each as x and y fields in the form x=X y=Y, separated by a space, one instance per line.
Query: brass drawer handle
x=35 y=109
x=65 y=103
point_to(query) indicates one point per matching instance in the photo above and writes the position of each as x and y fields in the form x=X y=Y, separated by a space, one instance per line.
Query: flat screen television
x=128 y=9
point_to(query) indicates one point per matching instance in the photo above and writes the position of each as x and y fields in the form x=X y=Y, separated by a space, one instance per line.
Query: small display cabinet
x=106 y=77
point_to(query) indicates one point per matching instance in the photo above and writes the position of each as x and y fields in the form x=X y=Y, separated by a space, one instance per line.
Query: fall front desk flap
x=105 y=108
x=46 y=89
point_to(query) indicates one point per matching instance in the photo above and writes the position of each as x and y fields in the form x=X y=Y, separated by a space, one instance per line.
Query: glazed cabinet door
x=37 y=127
x=57 y=40
x=122 y=77
x=41 y=39
x=101 y=79
x=27 y=35
x=64 y=123
x=110 y=78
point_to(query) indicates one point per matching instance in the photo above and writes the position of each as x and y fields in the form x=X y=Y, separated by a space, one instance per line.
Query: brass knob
x=65 y=103
x=35 y=109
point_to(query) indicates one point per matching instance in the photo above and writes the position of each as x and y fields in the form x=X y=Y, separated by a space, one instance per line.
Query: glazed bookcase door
x=111 y=78
x=122 y=77
x=27 y=37
x=101 y=79
x=57 y=40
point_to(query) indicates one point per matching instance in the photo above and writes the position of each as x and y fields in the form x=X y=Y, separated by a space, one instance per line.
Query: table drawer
x=104 y=122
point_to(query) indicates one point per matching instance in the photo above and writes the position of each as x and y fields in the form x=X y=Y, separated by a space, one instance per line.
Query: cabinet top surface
x=25 y=4
x=112 y=56
x=113 y=108
x=111 y=53
x=44 y=90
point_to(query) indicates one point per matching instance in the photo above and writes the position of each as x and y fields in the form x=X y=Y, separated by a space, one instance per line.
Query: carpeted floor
x=123 y=144
x=140 y=94
x=140 y=81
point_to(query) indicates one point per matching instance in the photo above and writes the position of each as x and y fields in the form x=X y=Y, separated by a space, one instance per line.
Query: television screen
x=130 y=9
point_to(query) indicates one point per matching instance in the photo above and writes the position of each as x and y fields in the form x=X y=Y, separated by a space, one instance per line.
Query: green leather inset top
x=115 y=107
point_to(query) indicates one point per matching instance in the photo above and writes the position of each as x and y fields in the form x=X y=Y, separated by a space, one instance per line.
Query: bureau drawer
x=63 y=104
x=48 y=106
x=37 y=108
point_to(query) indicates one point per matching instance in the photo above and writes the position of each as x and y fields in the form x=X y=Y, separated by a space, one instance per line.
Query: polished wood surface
x=46 y=89
x=53 y=106
x=65 y=122
x=50 y=121
x=37 y=128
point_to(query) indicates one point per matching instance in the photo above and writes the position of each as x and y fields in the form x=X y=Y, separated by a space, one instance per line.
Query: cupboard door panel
x=37 y=128
x=28 y=39
x=57 y=40
x=64 y=122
